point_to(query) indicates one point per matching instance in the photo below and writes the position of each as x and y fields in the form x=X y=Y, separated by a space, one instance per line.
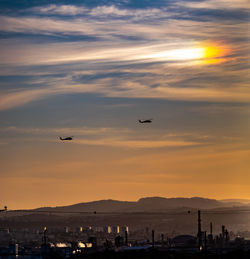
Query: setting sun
x=213 y=51
x=214 y=54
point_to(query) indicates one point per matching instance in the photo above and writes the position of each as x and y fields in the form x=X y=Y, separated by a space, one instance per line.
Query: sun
x=214 y=53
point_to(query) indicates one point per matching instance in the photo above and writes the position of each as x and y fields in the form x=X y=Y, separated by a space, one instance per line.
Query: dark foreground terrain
x=155 y=254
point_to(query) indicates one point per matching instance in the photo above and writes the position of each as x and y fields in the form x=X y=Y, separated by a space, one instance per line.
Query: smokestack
x=126 y=237
x=199 y=229
x=223 y=231
x=162 y=239
x=210 y=236
x=211 y=228
x=205 y=233
x=44 y=235
x=227 y=235
x=153 y=238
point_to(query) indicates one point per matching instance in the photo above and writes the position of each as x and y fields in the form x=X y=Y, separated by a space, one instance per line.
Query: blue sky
x=91 y=69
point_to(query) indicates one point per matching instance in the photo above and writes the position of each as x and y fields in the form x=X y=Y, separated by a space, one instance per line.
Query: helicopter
x=145 y=121
x=67 y=138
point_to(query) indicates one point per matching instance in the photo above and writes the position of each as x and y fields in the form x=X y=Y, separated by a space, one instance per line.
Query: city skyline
x=92 y=69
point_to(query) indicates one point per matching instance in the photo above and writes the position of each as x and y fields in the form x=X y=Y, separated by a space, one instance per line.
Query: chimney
x=223 y=231
x=126 y=237
x=210 y=236
x=162 y=239
x=153 y=238
x=227 y=235
x=211 y=228
x=205 y=245
x=199 y=230
x=45 y=235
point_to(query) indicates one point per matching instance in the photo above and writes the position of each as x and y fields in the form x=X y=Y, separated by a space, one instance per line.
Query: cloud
x=79 y=131
x=133 y=14
x=129 y=90
x=44 y=25
x=17 y=98
x=59 y=53
x=125 y=138
x=109 y=10
x=109 y=137
x=157 y=48
x=134 y=144
x=102 y=11
x=60 y=9
x=219 y=83
x=182 y=93
x=117 y=136
x=215 y=4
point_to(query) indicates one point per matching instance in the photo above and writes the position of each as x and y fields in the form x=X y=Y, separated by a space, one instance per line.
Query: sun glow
x=214 y=54
x=176 y=54
x=203 y=54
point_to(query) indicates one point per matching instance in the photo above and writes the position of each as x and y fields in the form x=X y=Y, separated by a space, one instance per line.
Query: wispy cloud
x=134 y=14
x=60 y=9
x=125 y=138
x=215 y=4
x=17 y=98
x=168 y=44
x=108 y=137
x=129 y=90
x=124 y=143
x=102 y=11
x=81 y=131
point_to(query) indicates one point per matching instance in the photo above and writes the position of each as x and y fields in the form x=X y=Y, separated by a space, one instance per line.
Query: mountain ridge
x=141 y=205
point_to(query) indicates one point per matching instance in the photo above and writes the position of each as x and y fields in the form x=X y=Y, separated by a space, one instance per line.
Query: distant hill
x=154 y=203
x=143 y=204
x=236 y=202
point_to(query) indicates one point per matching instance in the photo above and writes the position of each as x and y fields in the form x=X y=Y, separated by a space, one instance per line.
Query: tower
x=199 y=235
x=126 y=237
x=153 y=238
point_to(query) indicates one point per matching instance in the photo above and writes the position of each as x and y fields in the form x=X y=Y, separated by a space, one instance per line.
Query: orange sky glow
x=92 y=71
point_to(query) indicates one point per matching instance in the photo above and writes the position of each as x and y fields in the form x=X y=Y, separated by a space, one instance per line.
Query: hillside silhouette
x=142 y=205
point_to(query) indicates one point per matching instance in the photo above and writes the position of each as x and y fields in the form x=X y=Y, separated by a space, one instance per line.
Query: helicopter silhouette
x=145 y=121
x=67 y=138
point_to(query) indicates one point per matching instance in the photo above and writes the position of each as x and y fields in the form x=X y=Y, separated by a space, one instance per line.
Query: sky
x=91 y=69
